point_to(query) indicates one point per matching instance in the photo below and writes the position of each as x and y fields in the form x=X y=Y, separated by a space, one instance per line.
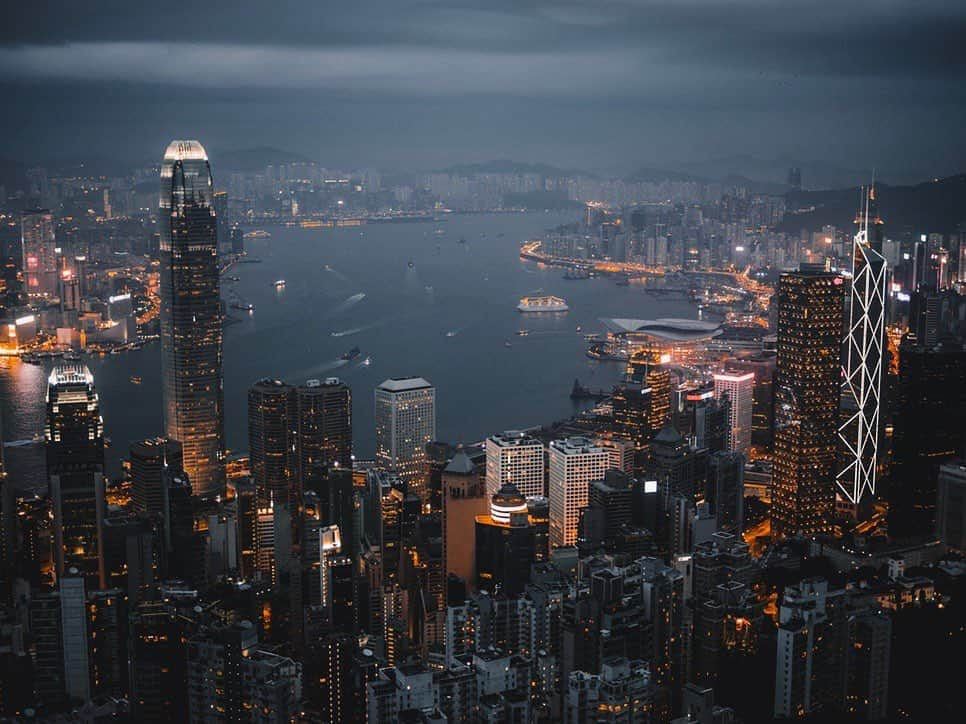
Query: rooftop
x=665 y=329
x=405 y=384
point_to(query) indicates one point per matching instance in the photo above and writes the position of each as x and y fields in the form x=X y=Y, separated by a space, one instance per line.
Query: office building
x=505 y=543
x=739 y=388
x=574 y=464
x=74 y=440
x=951 y=505
x=726 y=486
x=929 y=429
x=405 y=416
x=271 y=440
x=864 y=356
x=73 y=619
x=151 y=461
x=191 y=320
x=323 y=418
x=464 y=499
x=515 y=457
x=807 y=384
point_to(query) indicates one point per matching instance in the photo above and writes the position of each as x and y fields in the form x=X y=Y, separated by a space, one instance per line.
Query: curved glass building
x=191 y=319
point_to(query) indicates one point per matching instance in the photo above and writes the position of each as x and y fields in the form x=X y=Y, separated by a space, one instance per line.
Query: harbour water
x=415 y=302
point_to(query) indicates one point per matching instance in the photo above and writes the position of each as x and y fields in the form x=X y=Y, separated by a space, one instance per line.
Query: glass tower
x=405 y=424
x=74 y=441
x=191 y=333
x=862 y=368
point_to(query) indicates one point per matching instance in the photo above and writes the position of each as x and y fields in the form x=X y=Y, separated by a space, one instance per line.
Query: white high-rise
x=862 y=371
x=405 y=423
x=574 y=464
x=514 y=457
x=740 y=389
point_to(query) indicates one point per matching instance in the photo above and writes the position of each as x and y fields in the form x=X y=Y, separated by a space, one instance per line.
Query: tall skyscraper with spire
x=862 y=365
x=191 y=332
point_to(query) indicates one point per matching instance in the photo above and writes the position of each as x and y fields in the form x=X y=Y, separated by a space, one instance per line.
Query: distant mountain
x=659 y=175
x=508 y=166
x=933 y=206
x=815 y=174
x=253 y=159
x=656 y=175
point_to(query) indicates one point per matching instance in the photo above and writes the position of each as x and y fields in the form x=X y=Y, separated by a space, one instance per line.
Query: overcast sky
x=601 y=84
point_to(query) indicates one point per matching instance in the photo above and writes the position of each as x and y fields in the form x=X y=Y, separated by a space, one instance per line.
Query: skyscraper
x=740 y=389
x=191 y=334
x=517 y=458
x=324 y=425
x=39 y=262
x=862 y=368
x=807 y=374
x=150 y=459
x=405 y=422
x=574 y=464
x=271 y=433
x=74 y=436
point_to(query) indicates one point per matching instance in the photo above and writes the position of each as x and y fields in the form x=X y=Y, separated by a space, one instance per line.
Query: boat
x=244 y=306
x=578 y=329
x=462 y=240
x=279 y=283
x=451 y=333
x=135 y=380
x=258 y=234
x=411 y=264
x=439 y=232
x=428 y=288
x=523 y=332
x=351 y=354
x=542 y=303
x=366 y=362
x=506 y=343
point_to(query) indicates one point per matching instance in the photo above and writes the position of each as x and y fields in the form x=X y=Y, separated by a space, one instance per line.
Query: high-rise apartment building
x=39 y=262
x=574 y=464
x=191 y=325
x=807 y=385
x=405 y=418
x=74 y=437
x=516 y=458
x=740 y=390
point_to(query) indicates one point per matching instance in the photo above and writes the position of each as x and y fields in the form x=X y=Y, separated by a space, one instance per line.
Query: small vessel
x=258 y=234
x=366 y=362
x=351 y=354
x=506 y=343
x=279 y=283
x=451 y=333
x=578 y=329
x=428 y=288
x=542 y=303
x=244 y=306
x=135 y=380
x=411 y=264
x=523 y=332
x=439 y=232
x=232 y=279
x=462 y=240
x=327 y=267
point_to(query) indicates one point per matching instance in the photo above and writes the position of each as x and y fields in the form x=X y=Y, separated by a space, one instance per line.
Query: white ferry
x=542 y=303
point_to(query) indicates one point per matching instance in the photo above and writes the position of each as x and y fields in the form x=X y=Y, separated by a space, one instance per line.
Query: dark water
x=398 y=315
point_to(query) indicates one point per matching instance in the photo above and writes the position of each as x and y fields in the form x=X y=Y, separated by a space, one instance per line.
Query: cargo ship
x=542 y=303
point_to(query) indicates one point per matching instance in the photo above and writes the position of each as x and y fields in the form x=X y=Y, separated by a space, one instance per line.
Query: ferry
x=135 y=380
x=258 y=234
x=523 y=332
x=279 y=283
x=351 y=354
x=543 y=303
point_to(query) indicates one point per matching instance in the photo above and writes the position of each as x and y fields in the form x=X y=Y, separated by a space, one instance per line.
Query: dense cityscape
x=249 y=470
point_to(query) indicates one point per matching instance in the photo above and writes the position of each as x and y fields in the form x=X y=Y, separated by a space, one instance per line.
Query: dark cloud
x=819 y=77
